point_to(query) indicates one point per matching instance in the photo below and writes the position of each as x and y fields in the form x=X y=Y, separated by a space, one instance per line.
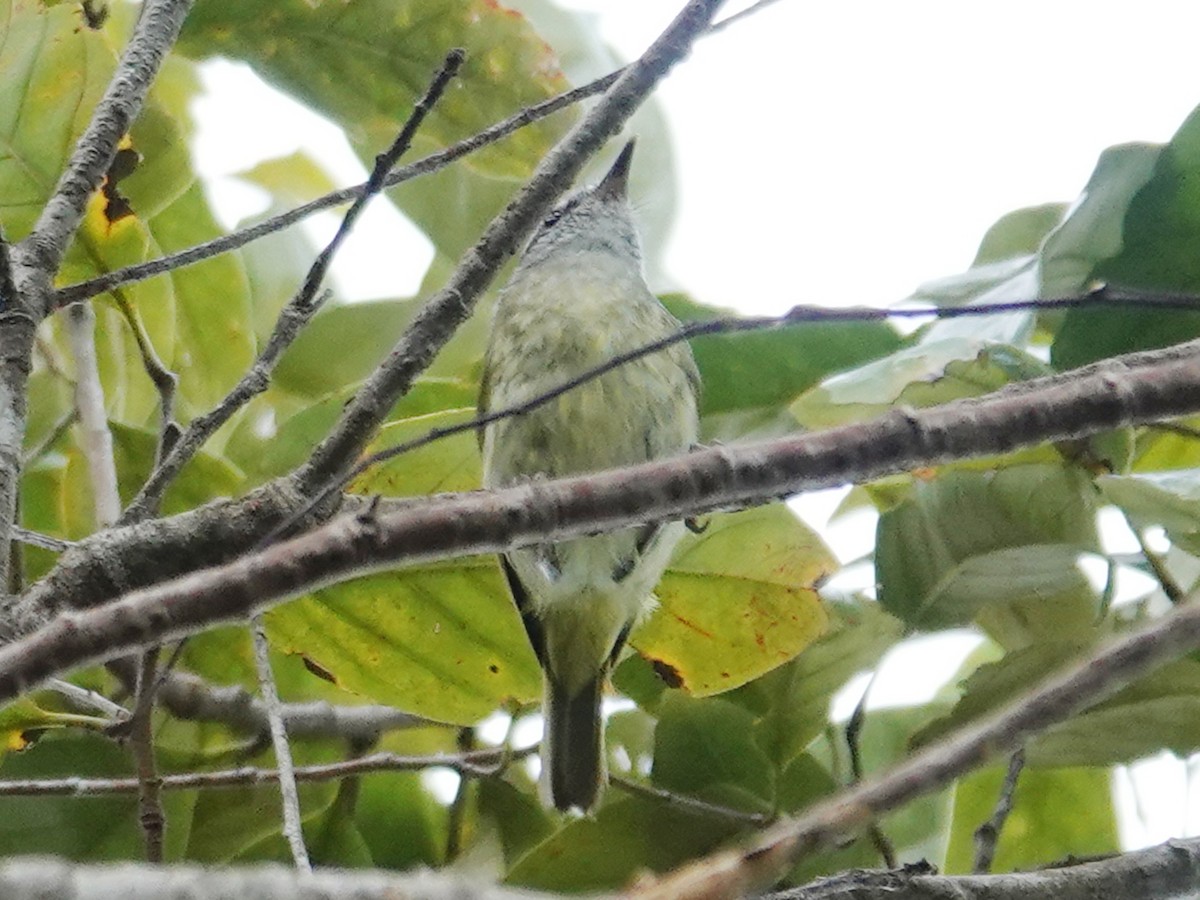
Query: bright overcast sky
x=831 y=152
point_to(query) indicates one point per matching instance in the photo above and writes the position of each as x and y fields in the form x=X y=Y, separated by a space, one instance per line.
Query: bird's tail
x=573 y=769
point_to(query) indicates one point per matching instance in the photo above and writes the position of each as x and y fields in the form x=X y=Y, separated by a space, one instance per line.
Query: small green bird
x=577 y=298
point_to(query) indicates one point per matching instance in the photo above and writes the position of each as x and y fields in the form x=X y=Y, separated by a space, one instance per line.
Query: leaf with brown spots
x=737 y=601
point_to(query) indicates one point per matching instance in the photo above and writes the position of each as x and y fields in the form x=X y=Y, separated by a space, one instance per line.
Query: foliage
x=730 y=682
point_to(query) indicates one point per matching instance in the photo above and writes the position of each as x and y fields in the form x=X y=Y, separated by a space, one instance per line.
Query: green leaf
x=1159 y=226
x=1169 y=499
x=996 y=684
x=98 y=828
x=942 y=367
x=736 y=601
x=770 y=368
x=636 y=835
x=400 y=821
x=216 y=342
x=706 y=748
x=1056 y=814
x=521 y=821
x=792 y=702
x=1094 y=230
x=1159 y=712
x=244 y=824
x=999 y=544
x=52 y=73
x=23 y=716
x=317 y=364
x=1018 y=233
x=441 y=640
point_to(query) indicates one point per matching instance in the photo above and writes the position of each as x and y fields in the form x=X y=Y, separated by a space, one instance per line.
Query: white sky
x=836 y=153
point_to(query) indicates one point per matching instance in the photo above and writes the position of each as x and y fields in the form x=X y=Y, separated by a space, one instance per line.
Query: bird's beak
x=614 y=185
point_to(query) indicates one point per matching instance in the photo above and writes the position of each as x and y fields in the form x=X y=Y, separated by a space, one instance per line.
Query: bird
x=577 y=297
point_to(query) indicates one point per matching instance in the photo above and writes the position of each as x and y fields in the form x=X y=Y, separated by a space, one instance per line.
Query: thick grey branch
x=1099 y=398
x=1170 y=870
x=36 y=878
x=191 y=698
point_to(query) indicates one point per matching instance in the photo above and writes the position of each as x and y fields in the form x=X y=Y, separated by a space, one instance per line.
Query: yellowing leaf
x=737 y=601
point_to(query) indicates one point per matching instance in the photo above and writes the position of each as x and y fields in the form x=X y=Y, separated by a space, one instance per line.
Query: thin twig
x=720 y=26
x=691 y=805
x=141 y=744
x=431 y=163
x=1178 y=428
x=34 y=453
x=44 y=541
x=987 y=835
x=293 y=828
x=854 y=728
x=297 y=313
x=1173 y=590
x=456 y=815
x=82 y=698
x=96 y=438
x=478 y=764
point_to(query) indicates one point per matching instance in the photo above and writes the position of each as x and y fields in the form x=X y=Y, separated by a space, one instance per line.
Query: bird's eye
x=553 y=218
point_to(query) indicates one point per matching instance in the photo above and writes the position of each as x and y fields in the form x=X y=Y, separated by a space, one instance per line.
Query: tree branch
x=293 y=828
x=1167 y=871
x=1118 y=393
x=476 y=763
x=35 y=878
x=189 y=697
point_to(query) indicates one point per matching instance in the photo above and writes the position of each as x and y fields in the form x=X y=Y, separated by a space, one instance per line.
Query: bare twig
x=189 y=697
x=477 y=763
x=141 y=743
x=987 y=835
x=1178 y=428
x=293 y=828
x=738 y=16
x=296 y=314
x=82 y=698
x=8 y=288
x=37 y=539
x=456 y=815
x=96 y=438
x=691 y=805
x=1173 y=590
x=1119 y=393
x=854 y=728
x=51 y=437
